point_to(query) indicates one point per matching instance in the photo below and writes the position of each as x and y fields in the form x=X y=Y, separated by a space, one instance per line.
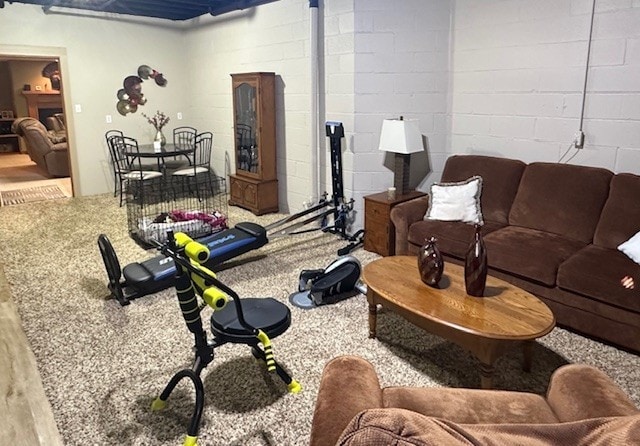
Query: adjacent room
x=286 y=222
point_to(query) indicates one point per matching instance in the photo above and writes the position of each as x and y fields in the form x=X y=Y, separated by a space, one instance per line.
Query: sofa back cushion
x=562 y=199
x=620 y=218
x=500 y=179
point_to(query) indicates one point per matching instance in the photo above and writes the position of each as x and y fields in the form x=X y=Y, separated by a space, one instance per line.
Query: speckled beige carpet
x=102 y=364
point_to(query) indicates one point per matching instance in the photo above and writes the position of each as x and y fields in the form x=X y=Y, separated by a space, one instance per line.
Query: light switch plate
x=108 y=119
x=78 y=108
x=179 y=115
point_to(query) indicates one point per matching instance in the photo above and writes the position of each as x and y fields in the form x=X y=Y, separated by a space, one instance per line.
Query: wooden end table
x=379 y=232
x=486 y=326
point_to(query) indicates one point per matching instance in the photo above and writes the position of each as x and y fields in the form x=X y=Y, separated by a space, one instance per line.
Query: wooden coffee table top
x=506 y=312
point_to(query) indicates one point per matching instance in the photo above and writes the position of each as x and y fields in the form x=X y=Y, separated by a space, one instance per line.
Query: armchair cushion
x=399 y=427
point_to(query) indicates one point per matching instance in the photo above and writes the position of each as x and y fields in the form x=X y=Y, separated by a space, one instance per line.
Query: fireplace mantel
x=41 y=99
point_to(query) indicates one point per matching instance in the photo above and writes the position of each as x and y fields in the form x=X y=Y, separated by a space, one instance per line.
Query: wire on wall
x=578 y=142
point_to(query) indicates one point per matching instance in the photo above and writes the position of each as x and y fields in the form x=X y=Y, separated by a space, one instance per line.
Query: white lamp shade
x=400 y=136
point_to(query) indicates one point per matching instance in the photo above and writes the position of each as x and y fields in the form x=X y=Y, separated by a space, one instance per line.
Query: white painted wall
x=271 y=38
x=97 y=55
x=401 y=69
x=518 y=75
x=481 y=76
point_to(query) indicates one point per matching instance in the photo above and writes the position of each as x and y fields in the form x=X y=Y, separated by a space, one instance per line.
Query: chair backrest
x=202 y=155
x=121 y=146
x=184 y=136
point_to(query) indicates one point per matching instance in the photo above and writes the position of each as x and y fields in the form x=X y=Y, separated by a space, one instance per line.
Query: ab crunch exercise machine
x=250 y=321
x=157 y=273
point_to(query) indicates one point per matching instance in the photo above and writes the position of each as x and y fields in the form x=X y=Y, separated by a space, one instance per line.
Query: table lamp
x=403 y=138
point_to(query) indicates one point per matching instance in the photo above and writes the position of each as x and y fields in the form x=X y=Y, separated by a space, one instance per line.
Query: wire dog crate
x=155 y=207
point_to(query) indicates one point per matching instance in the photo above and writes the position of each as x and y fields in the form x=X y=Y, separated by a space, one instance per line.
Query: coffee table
x=486 y=326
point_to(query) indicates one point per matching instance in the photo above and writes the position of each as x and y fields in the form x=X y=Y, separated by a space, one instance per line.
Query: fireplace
x=42 y=104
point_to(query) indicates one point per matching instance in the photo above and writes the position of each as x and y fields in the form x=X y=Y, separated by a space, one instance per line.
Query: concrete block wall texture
x=517 y=77
x=480 y=76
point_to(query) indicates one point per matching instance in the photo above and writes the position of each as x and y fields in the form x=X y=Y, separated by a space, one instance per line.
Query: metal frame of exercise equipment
x=155 y=274
x=269 y=319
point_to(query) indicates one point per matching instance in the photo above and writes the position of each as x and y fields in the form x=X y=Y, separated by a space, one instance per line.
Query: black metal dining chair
x=199 y=171
x=184 y=136
x=117 y=180
x=128 y=168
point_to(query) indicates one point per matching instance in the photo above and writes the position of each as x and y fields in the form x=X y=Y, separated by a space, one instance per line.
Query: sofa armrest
x=405 y=214
x=349 y=385
x=578 y=391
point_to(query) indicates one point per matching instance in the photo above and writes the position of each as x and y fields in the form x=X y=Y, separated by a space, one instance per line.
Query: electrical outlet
x=78 y=108
x=578 y=141
x=108 y=119
x=179 y=115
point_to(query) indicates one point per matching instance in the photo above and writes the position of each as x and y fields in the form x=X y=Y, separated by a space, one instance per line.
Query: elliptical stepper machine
x=157 y=273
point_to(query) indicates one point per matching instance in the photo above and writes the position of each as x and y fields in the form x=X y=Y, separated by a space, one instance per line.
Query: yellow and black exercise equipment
x=249 y=321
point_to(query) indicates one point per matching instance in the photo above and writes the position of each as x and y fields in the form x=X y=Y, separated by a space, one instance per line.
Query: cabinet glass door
x=247 y=150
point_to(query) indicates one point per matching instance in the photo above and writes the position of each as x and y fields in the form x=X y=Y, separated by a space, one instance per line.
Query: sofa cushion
x=620 y=217
x=453 y=238
x=596 y=272
x=398 y=427
x=500 y=179
x=471 y=405
x=561 y=198
x=529 y=253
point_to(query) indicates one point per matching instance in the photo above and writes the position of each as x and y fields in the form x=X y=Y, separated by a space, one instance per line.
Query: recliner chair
x=48 y=151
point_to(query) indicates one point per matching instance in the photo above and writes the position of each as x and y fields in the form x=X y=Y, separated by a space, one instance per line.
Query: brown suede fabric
x=620 y=217
x=557 y=212
x=561 y=199
x=595 y=271
x=500 y=179
x=404 y=214
x=471 y=405
x=397 y=427
x=349 y=385
x=578 y=391
x=524 y=252
x=453 y=237
x=583 y=406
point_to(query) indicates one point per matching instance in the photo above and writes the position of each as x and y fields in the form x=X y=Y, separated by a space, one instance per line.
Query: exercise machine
x=336 y=282
x=250 y=321
x=155 y=274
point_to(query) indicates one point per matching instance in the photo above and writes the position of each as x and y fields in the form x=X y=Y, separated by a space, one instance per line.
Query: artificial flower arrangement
x=158 y=120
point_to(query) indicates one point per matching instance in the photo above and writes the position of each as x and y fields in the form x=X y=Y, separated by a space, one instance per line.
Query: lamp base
x=401 y=173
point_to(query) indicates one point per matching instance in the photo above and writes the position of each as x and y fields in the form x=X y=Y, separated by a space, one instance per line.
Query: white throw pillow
x=456 y=201
x=632 y=248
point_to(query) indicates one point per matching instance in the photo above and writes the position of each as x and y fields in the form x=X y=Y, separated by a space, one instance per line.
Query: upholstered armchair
x=582 y=406
x=47 y=150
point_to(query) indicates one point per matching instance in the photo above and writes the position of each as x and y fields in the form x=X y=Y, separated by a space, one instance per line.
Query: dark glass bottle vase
x=475 y=265
x=430 y=263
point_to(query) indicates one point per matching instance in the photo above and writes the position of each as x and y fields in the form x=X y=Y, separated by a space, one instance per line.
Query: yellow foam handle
x=197 y=252
x=215 y=298
x=181 y=239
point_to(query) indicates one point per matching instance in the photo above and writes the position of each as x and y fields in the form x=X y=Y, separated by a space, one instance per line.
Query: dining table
x=167 y=151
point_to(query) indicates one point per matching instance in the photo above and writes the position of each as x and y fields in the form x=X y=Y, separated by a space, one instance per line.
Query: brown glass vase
x=430 y=263
x=475 y=265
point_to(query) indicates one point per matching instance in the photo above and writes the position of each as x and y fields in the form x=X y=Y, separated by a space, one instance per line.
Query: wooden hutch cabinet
x=254 y=186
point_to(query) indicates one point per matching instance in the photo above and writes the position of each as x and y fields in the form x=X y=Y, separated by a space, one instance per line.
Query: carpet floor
x=102 y=364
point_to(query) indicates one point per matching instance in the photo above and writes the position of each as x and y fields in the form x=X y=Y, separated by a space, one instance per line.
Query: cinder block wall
x=517 y=77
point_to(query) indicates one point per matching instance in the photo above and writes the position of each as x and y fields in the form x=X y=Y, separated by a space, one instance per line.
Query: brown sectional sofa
x=582 y=406
x=551 y=229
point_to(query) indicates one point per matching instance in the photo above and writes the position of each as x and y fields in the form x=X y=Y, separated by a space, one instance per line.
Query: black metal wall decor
x=130 y=97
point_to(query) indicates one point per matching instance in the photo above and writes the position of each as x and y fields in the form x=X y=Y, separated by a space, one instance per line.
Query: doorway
x=31 y=96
